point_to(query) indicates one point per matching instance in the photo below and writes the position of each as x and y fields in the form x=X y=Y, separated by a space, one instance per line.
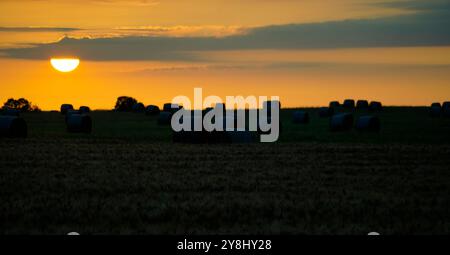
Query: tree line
x=123 y=104
x=20 y=104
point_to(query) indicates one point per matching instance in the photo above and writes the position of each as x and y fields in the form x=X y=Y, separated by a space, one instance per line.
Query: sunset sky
x=307 y=52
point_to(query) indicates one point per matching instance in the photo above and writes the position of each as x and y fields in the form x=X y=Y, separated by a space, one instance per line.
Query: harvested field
x=128 y=178
x=135 y=188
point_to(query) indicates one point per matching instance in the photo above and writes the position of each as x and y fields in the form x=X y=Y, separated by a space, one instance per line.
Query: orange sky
x=300 y=77
x=117 y=13
x=406 y=76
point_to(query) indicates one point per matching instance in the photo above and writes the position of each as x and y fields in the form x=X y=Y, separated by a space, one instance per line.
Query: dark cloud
x=419 y=5
x=428 y=27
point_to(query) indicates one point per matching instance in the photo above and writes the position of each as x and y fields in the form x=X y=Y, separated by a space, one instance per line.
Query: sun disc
x=65 y=65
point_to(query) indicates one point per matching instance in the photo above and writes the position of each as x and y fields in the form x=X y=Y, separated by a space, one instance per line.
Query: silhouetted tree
x=21 y=104
x=125 y=104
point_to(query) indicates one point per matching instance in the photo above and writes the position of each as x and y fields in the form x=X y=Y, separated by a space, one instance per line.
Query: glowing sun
x=65 y=65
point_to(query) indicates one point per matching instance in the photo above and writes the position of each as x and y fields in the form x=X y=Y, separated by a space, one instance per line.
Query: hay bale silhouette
x=362 y=105
x=334 y=104
x=206 y=110
x=164 y=118
x=191 y=136
x=436 y=104
x=325 y=112
x=349 y=103
x=152 y=110
x=195 y=137
x=65 y=107
x=10 y=112
x=138 y=108
x=300 y=117
x=269 y=121
x=368 y=124
x=341 y=122
x=172 y=107
x=375 y=106
x=267 y=105
x=233 y=136
x=435 y=110
x=218 y=136
x=217 y=107
x=231 y=116
x=167 y=107
x=79 y=123
x=70 y=113
x=446 y=109
x=13 y=127
x=221 y=106
x=84 y=109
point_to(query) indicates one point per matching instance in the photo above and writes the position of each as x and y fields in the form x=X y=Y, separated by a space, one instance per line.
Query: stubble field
x=128 y=178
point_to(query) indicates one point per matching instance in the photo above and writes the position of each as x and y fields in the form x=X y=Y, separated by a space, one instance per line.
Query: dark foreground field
x=127 y=178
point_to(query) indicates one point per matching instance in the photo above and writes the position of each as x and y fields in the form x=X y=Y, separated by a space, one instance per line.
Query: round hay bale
x=167 y=107
x=11 y=112
x=138 y=108
x=218 y=136
x=164 y=118
x=446 y=109
x=300 y=117
x=368 y=124
x=325 y=112
x=176 y=108
x=362 y=104
x=435 y=110
x=221 y=106
x=436 y=104
x=84 y=109
x=349 y=103
x=13 y=127
x=65 y=108
x=70 y=113
x=191 y=136
x=334 y=104
x=206 y=110
x=267 y=106
x=375 y=106
x=79 y=123
x=172 y=107
x=152 y=110
x=341 y=122
x=195 y=137
x=229 y=119
x=446 y=112
x=269 y=120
